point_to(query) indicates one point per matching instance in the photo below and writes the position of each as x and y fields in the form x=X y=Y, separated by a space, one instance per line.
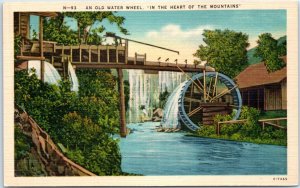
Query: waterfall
x=168 y=81
x=73 y=78
x=51 y=75
x=141 y=97
x=170 y=116
x=144 y=90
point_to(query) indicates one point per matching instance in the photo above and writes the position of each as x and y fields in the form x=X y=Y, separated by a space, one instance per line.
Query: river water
x=148 y=152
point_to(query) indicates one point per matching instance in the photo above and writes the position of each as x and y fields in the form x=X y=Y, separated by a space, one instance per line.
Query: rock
x=60 y=169
x=158 y=113
x=156 y=119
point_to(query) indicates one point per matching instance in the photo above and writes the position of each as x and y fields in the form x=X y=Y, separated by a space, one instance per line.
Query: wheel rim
x=218 y=86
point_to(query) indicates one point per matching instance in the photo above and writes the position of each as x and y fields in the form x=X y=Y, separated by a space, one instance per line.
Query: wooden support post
x=263 y=126
x=204 y=84
x=63 y=51
x=135 y=58
x=123 y=129
x=98 y=53
x=107 y=52
x=218 y=129
x=117 y=55
x=21 y=48
x=90 y=54
x=71 y=54
x=52 y=60
x=126 y=51
x=80 y=52
x=42 y=49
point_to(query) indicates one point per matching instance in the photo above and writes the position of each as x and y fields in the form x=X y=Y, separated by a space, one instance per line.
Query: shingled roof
x=257 y=75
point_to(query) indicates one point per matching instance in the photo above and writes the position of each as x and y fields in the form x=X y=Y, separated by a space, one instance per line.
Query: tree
x=85 y=21
x=88 y=27
x=225 y=50
x=270 y=52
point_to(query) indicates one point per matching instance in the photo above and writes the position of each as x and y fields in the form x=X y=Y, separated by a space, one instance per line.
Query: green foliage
x=252 y=59
x=206 y=131
x=83 y=122
x=250 y=131
x=26 y=163
x=34 y=35
x=56 y=30
x=88 y=27
x=163 y=97
x=251 y=127
x=17 y=45
x=225 y=50
x=270 y=52
x=22 y=144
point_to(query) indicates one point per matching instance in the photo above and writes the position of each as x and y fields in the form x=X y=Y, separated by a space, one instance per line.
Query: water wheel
x=206 y=95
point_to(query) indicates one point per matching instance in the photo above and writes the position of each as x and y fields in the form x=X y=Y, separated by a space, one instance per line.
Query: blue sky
x=182 y=30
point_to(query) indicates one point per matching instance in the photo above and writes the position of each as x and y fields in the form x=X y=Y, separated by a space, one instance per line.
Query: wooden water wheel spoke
x=209 y=87
x=194 y=111
x=221 y=94
x=224 y=92
x=202 y=88
x=215 y=85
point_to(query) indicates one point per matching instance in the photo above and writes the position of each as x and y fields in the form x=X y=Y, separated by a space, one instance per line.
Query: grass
x=251 y=131
x=275 y=114
x=279 y=142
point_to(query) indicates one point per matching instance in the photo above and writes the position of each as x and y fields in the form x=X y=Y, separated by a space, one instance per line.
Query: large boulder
x=158 y=112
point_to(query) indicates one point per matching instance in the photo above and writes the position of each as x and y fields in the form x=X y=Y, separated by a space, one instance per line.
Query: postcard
x=190 y=93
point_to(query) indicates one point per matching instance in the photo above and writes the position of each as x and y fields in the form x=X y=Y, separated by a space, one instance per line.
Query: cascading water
x=144 y=91
x=140 y=95
x=73 y=78
x=51 y=74
x=170 y=117
x=168 y=81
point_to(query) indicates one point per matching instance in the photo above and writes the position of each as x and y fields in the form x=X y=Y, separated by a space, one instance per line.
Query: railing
x=269 y=122
x=55 y=162
x=30 y=50
x=263 y=122
x=93 y=53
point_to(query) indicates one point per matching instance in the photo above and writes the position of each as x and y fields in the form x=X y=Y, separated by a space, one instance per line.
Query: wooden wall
x=21 y=24
x=284 y=94
x=270 y=97
x=273 y=98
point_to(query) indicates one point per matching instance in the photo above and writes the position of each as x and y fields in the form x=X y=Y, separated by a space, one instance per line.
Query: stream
x=148 y=152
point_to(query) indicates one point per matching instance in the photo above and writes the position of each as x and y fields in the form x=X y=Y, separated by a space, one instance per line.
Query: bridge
x=113 y=56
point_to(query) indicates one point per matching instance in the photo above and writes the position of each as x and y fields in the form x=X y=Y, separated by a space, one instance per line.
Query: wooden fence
x=263 y=123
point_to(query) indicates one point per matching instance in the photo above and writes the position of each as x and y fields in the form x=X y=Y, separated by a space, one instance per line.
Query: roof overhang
x=44 y=14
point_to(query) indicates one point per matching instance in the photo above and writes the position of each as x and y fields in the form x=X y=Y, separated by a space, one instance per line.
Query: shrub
x=83 y=122
x=206 y=131
x=251 y=127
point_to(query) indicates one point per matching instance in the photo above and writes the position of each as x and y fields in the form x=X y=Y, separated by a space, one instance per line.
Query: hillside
x=253 y=60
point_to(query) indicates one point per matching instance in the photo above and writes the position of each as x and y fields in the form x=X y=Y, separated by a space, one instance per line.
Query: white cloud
x=174 y=37
x=172 y=30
